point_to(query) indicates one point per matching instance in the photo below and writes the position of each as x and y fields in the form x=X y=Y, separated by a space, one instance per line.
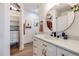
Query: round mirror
x=60 y=17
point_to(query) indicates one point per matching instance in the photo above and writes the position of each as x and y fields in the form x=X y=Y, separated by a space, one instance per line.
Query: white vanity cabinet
x=43 y=48
x=46 y=49
x=38 y=47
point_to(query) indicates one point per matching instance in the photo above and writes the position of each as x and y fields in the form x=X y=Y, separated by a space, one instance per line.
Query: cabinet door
x=41 y=48
x=62 y=52
x=51 y=50
x=47 y=49
x=67 y=53
x=37 y=47
x=35 y=51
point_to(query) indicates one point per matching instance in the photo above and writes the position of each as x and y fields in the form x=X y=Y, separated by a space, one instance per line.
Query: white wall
x=29 y=32
x=4 y=30
x=21 y=26
x=31 y=15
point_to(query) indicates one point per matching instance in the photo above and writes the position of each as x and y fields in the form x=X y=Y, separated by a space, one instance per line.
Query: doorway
x=14 y=28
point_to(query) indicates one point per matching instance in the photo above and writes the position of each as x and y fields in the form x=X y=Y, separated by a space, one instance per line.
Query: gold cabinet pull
x=44 y=45
x=35 y=46
x=34 y=40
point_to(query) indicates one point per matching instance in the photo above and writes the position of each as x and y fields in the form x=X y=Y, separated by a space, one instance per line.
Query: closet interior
x=14 y=28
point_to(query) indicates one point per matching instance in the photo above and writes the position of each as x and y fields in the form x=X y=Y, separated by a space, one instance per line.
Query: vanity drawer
x=42 y=43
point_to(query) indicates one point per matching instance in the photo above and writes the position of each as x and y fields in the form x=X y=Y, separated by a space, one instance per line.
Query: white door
x=28 y=31
x=32 y=20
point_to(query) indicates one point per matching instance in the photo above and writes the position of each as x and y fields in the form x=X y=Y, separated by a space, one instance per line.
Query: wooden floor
x=28 y=51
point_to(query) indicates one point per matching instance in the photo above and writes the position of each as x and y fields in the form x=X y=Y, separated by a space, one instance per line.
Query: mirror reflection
x=60 y=17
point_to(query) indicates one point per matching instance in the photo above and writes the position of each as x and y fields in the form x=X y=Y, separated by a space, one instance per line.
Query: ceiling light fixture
x=13 y=8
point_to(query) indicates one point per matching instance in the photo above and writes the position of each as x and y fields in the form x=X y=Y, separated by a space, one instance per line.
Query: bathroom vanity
x=45 y=45
x=58 y=20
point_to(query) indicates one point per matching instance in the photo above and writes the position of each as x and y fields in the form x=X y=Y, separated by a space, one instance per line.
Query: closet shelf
x=14 y=30
x=14 y=13
x=14 y=25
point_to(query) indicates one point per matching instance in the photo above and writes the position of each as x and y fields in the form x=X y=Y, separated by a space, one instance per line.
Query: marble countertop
x=69 y=44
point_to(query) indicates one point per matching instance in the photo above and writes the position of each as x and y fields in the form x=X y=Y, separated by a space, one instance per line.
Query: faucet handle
x=52 y=33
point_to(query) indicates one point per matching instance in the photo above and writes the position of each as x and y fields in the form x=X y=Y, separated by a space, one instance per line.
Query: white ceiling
x=34 y=7
x=31 y=7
